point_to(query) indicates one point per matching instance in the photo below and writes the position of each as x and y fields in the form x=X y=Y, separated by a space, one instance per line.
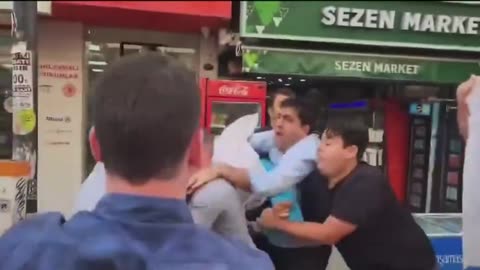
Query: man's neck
x=160 y=188
x=334 y=180
x=288 y=148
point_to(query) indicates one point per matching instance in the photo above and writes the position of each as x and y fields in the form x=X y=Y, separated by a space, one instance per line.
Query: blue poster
x=449 y=252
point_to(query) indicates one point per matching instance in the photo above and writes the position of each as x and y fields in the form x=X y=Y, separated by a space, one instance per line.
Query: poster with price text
x=24 y=120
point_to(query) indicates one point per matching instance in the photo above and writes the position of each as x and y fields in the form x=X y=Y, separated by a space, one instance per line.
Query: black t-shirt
x=387 y=237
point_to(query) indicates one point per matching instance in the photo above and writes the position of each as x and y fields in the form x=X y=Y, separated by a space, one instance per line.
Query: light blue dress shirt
x=291 y=168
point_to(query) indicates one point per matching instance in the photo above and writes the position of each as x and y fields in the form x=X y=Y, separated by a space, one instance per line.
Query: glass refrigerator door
x=221 y=113
x=451 y=198
x=418 y=168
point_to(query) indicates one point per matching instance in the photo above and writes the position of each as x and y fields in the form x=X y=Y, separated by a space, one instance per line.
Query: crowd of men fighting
x=156 y=201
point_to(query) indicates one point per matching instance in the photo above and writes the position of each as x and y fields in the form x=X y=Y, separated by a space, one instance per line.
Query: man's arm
x=356 y=203
x=295 y=165
x=463 y=113
x=328 y=233
x=262 y=142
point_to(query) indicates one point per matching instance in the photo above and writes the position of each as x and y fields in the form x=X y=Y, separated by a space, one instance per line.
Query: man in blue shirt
x=293 y=152
x=146 y=118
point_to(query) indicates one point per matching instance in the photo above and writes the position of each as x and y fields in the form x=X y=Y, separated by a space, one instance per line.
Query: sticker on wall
x=22 y=83
x=8 y=104
x=5 y=206
x=24 y=122
x=69 y=90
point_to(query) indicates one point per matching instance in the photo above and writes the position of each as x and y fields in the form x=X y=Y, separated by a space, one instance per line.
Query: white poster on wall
x=60 y=115
x=22 y=88
x=23 y=113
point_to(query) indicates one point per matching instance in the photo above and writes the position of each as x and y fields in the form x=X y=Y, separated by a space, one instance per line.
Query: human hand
x=282 y=210
x=268 y=219
x=201 y=178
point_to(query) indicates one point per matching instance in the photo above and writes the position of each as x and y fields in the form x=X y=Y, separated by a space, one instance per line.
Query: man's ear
x=94 y=145
x=307 y=129
x=352 y=151
x=270 y=112
x=195 y=150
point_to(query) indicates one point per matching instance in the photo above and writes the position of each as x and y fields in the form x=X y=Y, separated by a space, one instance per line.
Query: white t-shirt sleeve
x=91 y=190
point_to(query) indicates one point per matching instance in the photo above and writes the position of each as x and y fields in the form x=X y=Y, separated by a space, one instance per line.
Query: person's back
x=217 y=206
x=144 y=221
x=118 y=236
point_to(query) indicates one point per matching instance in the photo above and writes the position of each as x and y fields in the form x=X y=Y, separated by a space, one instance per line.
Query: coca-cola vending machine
x=228 y=100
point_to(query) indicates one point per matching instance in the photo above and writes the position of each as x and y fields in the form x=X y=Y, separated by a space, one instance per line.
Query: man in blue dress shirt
x=293 y=151
x=146 y=117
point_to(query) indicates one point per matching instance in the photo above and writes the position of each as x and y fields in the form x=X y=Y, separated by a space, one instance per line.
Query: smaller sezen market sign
x=262 y=60
x=432 y=24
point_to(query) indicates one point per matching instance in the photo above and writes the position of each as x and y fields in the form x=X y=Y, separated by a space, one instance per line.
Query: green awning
x=262 y=60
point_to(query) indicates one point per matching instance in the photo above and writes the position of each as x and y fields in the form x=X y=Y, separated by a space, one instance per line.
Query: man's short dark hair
x=304 y=110
x=282 y=92
x=350 y=128
x=147 y=109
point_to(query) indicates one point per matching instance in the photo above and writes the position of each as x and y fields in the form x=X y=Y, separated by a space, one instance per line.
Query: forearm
x=238 y=177
x=315 y=233
x=262 y=142
x=462 y=120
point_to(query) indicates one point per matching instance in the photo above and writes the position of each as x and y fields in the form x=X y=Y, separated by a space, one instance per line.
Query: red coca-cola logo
x=226 y=90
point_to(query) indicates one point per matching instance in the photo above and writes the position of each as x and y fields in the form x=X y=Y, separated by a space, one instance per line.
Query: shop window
x=101 y=54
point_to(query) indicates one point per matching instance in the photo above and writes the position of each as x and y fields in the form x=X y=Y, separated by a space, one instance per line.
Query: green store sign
x=334 y=64
x=418 y=24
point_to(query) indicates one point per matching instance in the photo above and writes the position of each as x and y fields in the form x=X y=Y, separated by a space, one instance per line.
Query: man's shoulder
x=86 y=240
x=27 y=237
x=33 y=226
x=215 y=192
x=368 y=173
x=363 y=179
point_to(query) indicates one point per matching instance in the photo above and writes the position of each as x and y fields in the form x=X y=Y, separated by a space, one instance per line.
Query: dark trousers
x=304 y=258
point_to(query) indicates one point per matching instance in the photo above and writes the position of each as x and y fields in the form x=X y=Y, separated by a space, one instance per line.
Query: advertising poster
x=61 y=108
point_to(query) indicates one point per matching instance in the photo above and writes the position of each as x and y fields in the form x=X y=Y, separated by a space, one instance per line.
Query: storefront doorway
x=105 y=45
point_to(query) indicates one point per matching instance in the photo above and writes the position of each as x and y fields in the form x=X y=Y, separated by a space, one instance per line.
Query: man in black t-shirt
x=367 y=224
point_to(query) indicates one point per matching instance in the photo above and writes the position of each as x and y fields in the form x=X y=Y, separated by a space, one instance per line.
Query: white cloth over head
x=232 y=148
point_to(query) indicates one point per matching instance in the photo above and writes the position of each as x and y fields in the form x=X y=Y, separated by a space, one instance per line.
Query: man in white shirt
x=216 y=206
x=93 y=188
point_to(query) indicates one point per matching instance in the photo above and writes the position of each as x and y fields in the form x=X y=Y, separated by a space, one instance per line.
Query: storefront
x=76 y=42
x=396 y=63
x=102 y=31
